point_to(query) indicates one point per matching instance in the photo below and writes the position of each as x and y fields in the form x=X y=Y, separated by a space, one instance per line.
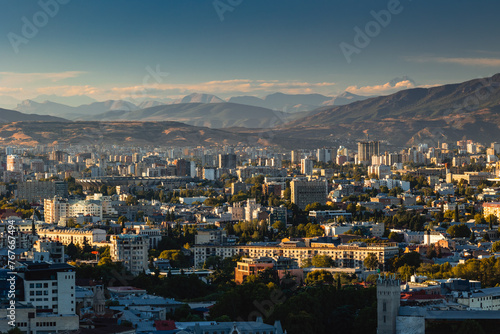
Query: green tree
x=306 y=263
x=105 y=261
x=322 y=261
x=319 y=277
x=371 y=261
x=495 y=247
x=459 y=231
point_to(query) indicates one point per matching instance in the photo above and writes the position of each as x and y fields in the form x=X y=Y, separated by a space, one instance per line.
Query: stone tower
x=99 y=300
x=388 y=299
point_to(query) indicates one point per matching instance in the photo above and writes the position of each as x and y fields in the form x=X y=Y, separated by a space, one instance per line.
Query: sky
x=166 y=49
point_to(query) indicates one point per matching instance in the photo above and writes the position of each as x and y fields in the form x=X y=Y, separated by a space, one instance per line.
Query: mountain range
x=277 y=102
x=421 y=115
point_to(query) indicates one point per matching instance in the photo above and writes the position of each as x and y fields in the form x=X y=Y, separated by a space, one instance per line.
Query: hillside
x=7 y=116
x=452 y=111
x=213 y=115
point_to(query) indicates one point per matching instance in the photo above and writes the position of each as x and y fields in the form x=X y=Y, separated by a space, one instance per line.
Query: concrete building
x=306 y=166
x=250 y=266
x=324 y=155
x=227 y=161
x=344 y=256
x=75 y=236
x=49 y=287
x=131 y=250
x=36 y=191
x=210 y=236
x=367 y=149
x=54 y=248
x=491 y=208
x=58 y=210
x=153 y=233
x=14 y=163
x=28 y=320
x=306 y=192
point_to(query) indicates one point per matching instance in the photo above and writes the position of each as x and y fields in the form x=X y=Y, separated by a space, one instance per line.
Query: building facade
x=131 y=250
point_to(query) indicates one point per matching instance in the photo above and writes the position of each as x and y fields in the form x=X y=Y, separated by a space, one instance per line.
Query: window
x=384 y=306
x=384 y=319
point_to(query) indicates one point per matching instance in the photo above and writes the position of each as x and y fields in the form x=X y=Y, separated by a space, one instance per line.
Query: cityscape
x=237 y=167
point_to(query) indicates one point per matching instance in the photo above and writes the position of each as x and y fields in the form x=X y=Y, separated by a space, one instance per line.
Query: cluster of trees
x=176 y=257
x=78 y=251
x=250 y=231
x=316 y=308
x=259 y=231
x=408 y=219
x=19 y=206
x=459 y=231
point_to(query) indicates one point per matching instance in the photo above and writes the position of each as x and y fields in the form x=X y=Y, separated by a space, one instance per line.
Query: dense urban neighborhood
x=226 y=239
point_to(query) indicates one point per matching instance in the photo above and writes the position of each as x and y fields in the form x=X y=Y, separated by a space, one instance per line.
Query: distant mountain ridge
x=8 y=116
x=213 y=115
x=289 y=103
x=471 y=109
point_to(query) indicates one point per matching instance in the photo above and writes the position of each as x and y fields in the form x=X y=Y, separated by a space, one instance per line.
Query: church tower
x=388 y=301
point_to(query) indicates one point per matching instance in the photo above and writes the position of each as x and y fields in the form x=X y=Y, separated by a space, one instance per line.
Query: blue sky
x=109 y=49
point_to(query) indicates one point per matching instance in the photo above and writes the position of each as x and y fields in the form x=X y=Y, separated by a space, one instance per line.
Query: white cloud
x=10 y=90
x=67 y=90
x=383 y=89
x=16 y=78
x=224 y=86
x=494 y=62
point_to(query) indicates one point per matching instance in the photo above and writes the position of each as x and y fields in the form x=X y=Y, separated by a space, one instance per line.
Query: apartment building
x=306 y=192
x=49 y=287
x=132 y=250
x=347 y=256
x=73 y=235
x=37 y=191
x=58 y=210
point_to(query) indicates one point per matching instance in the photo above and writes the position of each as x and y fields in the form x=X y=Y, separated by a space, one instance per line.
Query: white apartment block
x=49 y=287
x=132 y=250
x=154 y=234
x=351 y=256
x=58 y=210
x=75 y=236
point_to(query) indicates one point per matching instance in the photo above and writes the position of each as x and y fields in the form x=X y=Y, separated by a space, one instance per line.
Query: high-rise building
x=307 y=192
x=324 y=155
x=306 y=166
x=227 y=161
x=295 y=156
x=35 y=191
x=37 y=165
x=183 y=167
x=367 y=149
x=131 y=250
x=14 y=163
